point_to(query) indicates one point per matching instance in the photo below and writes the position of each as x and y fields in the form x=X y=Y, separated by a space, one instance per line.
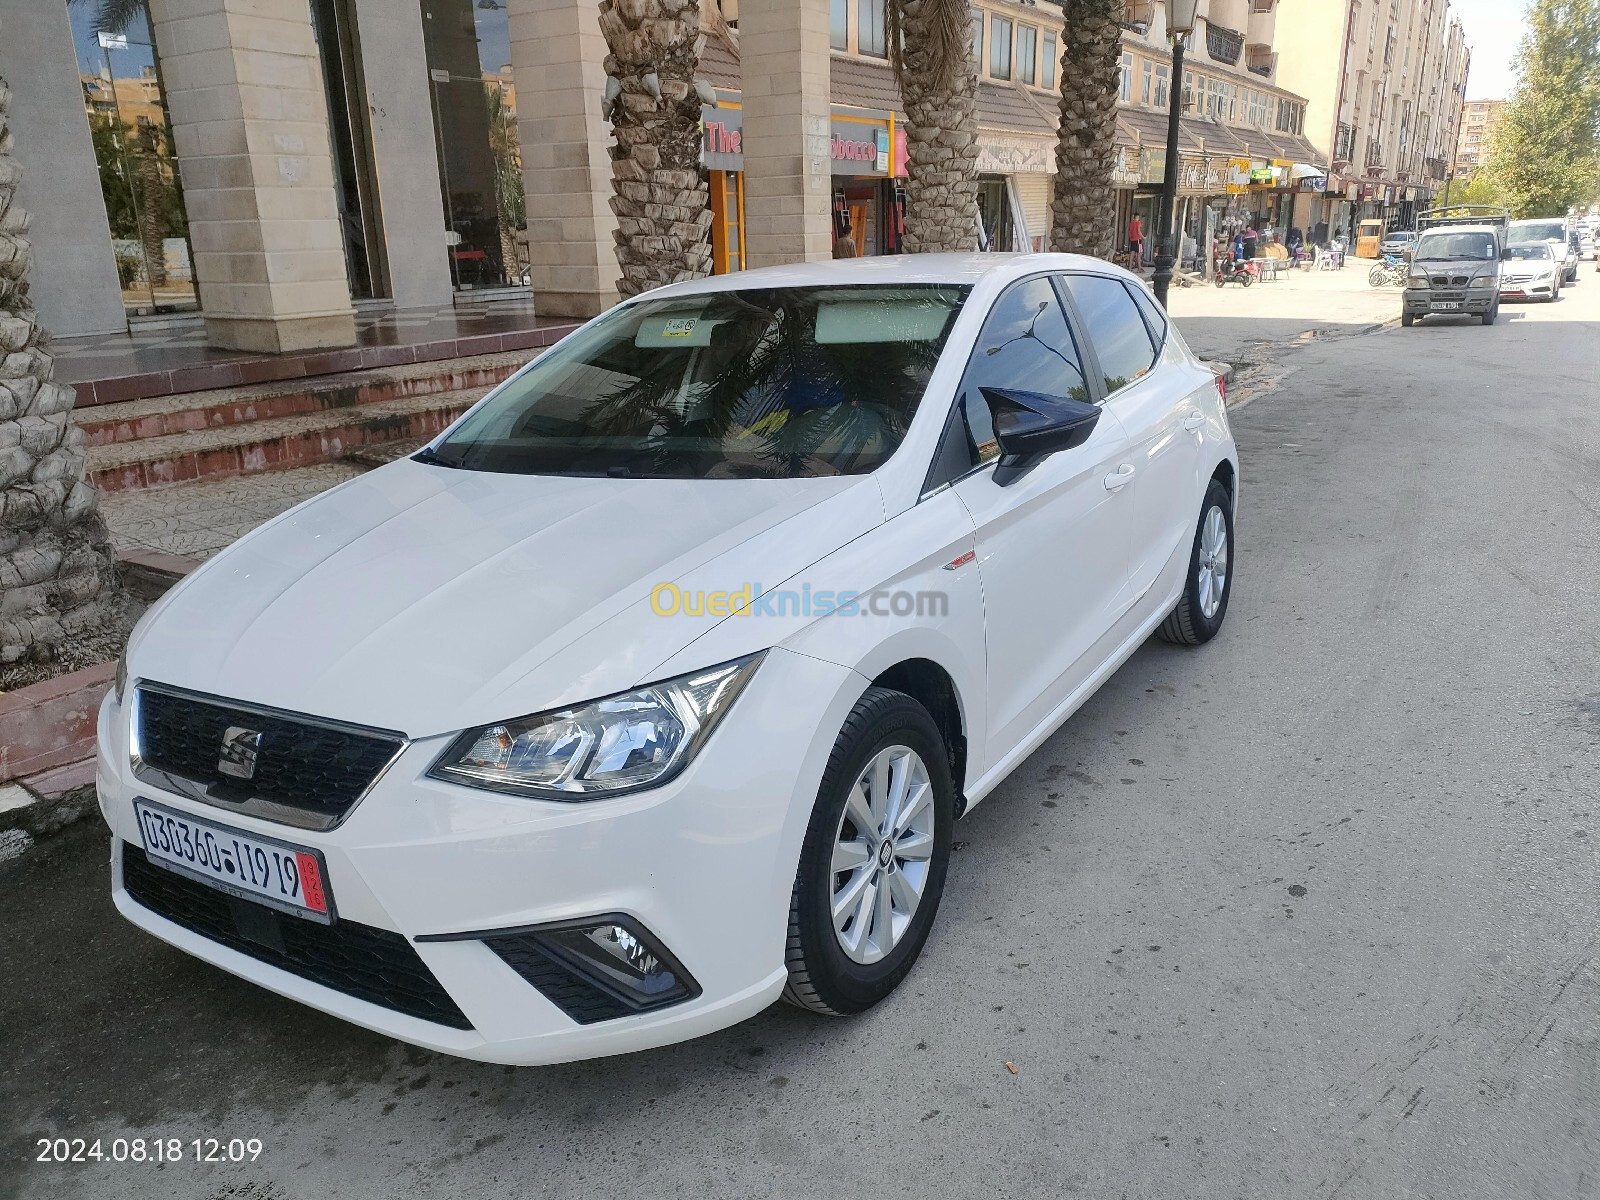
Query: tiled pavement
x=195 y=520
x=157 y=362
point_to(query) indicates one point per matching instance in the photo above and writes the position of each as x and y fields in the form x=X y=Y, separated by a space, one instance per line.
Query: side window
x=1025 y=345
x=1154 y=318
x=1114 y=328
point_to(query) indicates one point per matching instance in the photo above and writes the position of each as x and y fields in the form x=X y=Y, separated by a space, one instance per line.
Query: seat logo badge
x=240 y=746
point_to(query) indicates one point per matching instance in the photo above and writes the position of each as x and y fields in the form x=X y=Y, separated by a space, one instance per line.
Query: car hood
x=426 y=600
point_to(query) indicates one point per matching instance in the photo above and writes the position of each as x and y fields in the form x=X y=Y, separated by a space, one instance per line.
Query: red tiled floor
x=106 y=370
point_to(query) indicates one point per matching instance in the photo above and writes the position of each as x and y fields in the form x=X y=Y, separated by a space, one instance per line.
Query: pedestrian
x=1252 y=240
x=844 y=247
x=1136 y=238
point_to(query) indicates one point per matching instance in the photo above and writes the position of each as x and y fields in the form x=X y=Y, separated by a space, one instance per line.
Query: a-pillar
x=784 y=59
x=558 y=61
x=244 y=93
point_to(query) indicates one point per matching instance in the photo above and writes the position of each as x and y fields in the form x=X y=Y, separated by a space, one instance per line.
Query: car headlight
x=618 y=744
x=1416 y=280
x=1482 y=281
x=120 y=685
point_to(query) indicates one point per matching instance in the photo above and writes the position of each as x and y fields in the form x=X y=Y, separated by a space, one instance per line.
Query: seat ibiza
x=651 y=690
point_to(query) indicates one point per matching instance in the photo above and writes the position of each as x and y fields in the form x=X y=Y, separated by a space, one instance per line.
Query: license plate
x=1445 y=306
x=292 y=879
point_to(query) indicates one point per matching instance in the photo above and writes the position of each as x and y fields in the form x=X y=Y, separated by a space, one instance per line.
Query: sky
x=1494 y=31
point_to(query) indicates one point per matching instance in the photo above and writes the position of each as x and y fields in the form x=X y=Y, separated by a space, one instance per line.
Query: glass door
x=120 y=73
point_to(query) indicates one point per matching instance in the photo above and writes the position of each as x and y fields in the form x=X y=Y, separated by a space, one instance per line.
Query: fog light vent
x=596 y=969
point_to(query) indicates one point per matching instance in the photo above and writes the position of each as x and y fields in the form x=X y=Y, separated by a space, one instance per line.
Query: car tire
x=1493 y=314
x=825 y=976
x=1407 y=320
x=1190 y=623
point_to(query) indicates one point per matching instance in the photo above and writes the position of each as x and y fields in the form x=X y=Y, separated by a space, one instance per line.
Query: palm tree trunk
x=56 y=576
x=1083 y=208
x=152 y=207
x=662 y=198
x=931 y=41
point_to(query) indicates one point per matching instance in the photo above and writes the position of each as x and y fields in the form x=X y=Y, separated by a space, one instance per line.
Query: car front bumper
x=1418 y=302
x=1542 y=289
x=705 y=864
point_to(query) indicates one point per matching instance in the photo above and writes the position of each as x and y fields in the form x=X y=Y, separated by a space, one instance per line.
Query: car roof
x=1494 y=229
x=962 y=269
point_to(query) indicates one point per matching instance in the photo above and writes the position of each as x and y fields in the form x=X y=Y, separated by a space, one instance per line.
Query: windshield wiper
x=432 y=457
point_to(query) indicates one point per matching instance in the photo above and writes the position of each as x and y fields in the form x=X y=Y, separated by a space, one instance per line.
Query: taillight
x=1222 y=388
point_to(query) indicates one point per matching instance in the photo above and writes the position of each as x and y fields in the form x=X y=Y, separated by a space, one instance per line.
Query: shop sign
x=1351 y=192
x=856 y=147
x=1153 y=165
x=1125 y=167
x=1239 y=172
x=1314 y=183
x=1014 y=156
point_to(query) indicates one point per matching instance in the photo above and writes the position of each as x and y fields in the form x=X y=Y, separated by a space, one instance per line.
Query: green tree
x=1545 y=157
x=1479 y=189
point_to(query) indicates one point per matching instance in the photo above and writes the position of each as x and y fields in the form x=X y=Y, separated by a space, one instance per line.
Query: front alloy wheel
x=873 y=865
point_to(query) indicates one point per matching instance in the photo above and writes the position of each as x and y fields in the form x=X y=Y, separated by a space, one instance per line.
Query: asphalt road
x=1309 y=912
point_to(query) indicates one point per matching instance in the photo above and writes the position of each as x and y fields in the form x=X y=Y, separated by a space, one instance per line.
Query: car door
x=1052 y=544
x=1164 y=425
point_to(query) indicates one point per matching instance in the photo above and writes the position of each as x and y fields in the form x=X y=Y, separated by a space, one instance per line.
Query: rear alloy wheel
x=873 y=865
x=1204 y=603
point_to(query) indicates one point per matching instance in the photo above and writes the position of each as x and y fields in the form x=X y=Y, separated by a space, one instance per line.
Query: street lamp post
x=1181 y=18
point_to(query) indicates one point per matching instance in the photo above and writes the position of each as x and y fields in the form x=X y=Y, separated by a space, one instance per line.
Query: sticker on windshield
x=680 y=327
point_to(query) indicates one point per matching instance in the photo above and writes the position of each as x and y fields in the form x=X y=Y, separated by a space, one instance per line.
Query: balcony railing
x=1225 y=45
x=1374 y=153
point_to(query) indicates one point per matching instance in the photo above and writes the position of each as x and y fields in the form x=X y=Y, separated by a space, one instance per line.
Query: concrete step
x=274 y=443
x=191 y=412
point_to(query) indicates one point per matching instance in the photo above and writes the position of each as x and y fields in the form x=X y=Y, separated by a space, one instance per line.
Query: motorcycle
x=1391 y=272
x=1226 y=270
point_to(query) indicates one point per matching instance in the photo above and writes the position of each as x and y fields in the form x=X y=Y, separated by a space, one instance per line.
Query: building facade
x=1478 y=123
x=269 y=167
x=1385 y=82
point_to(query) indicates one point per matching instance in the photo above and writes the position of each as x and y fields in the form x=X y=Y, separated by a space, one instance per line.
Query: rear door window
x=1114 y=327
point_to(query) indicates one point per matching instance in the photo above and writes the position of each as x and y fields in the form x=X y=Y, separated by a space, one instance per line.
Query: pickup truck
x=1455 y=268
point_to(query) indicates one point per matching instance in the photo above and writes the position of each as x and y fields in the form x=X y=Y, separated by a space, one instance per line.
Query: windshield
x=778 y=383
x=1457 y=245
x=1538 y=231
x=1540 y=250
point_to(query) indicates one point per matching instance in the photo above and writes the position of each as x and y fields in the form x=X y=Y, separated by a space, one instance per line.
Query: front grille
x=318 y=767
x=1450 y=281
x=374 y=965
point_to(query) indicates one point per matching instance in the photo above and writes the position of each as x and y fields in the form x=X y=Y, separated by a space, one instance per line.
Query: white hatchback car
x=651 y=691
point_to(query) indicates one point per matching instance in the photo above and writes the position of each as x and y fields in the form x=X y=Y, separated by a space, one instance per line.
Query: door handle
x=1194 y=421
x=1120 y=478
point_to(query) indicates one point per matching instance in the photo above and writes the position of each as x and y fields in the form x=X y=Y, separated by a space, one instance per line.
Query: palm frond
x=945 y=37
x=115 y=16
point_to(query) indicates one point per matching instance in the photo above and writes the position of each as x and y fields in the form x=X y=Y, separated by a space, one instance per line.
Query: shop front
x=868 y=163
x=1014 y=190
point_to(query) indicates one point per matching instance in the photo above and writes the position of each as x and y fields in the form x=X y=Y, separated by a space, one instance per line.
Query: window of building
x=1127 y=79
x=869 y=29
x=1163 y=85
x=140 y=178
x=1000 y=47
x=468 y=52
x=1192 y=100
x=839 y=24
x=1027 y=53
x=1146 y=80
x=1052 y=56
x=977 y=40
x=1114 y=328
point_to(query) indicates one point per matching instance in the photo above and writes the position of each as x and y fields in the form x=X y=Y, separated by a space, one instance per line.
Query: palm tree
x=1082 y=209
x=662 y=199
x=56 y=575
x=930 y=44
x=510 y=198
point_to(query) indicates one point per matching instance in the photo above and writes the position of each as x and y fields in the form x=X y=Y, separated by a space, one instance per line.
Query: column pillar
x=74 y=278
x=244 y=91
x=557 y=58
x=395 y=73
x=783 y=55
